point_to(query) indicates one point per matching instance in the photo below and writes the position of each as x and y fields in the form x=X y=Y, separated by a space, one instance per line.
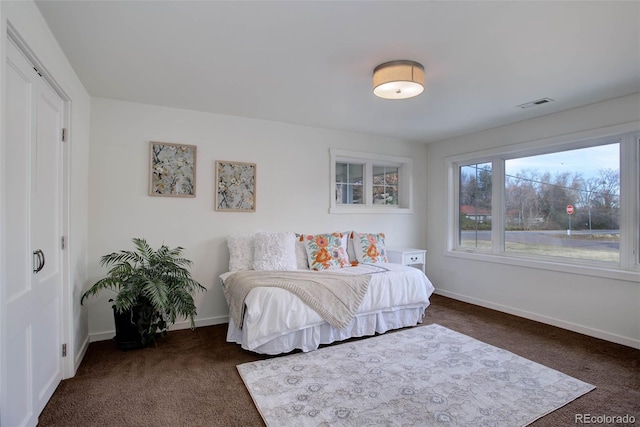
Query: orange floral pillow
x=326 y=251
x=369 y=247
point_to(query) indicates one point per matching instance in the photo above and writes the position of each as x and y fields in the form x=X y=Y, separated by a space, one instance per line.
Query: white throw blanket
x=335 y=297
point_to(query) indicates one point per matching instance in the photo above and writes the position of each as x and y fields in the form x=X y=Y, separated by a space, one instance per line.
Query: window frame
x=405 y=182
x=628 y=135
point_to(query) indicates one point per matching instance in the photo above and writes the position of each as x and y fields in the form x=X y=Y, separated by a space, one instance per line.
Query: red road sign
x=570 y=210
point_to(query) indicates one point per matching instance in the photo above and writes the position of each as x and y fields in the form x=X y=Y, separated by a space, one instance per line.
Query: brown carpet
x=190 y=379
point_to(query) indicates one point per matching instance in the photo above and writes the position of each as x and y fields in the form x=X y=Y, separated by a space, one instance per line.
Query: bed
x=273 y=319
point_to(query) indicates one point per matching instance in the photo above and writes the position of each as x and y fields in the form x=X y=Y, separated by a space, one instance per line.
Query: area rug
x=423 y=376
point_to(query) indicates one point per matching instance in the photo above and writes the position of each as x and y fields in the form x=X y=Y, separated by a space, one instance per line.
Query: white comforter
x=274 y=312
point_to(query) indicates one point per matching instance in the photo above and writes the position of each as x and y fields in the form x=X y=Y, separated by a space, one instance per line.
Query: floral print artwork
x=173 y=170
x=236 y=186
x=326 y=251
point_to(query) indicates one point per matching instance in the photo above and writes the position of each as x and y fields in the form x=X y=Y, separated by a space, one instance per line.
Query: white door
x=33 y=196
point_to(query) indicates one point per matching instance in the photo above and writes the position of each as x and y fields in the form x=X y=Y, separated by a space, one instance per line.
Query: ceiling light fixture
x=398 y=80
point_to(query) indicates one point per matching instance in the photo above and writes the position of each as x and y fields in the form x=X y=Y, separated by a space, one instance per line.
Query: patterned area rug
x=422 y=376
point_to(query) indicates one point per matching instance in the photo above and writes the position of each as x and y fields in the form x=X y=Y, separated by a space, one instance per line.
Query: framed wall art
x=235 y=186
x=172 y=169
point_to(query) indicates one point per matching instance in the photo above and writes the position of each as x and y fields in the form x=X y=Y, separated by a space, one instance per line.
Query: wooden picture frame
x=172 y=169
x=235 y=186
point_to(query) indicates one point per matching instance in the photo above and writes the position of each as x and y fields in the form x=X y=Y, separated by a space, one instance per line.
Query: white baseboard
x=78 y=359
x=209 y=321
x=543 y=319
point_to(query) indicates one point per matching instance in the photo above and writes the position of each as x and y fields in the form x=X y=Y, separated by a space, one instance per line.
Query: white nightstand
x=408 y=256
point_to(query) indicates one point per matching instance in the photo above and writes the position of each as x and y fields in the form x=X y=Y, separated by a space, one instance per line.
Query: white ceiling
x=310 y=63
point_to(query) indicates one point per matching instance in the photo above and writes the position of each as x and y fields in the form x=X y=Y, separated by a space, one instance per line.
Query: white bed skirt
x=311 y=338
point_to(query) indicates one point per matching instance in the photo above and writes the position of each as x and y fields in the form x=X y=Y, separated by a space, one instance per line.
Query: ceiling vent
x=535 y=103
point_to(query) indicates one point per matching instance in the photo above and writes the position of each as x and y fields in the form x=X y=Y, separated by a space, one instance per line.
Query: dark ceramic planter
x=127 y=335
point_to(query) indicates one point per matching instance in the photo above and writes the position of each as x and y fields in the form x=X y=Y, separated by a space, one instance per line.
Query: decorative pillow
x=274 y=251
x=351 y=252
x=326 y=251
x=302 y=262
x=240 y=251
x=369 y=247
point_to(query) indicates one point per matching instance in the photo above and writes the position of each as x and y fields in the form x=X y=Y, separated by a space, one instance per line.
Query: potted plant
x=153 y=288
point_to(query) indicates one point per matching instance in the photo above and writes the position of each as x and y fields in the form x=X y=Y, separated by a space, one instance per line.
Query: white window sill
x=603 y=270
x=369 y=210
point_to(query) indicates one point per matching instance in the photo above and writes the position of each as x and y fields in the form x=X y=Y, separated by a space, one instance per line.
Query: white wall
x=605 y=308
x=27 y=21
x=292 y=191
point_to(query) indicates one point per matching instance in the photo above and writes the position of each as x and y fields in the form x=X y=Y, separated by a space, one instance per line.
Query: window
x=475 y=206
x=564 y=204
x=385 y=185
x=575 y=202
x=349 y=183
x=363 y=182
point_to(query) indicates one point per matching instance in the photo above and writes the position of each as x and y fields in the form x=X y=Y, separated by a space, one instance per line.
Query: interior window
x=385 y=185
x=370 y=183
x=349 y=183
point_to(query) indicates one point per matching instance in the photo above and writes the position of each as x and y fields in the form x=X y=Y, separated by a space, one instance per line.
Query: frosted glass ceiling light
x=398 y=80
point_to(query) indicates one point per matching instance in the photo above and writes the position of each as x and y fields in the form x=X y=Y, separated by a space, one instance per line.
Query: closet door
x=31 y=351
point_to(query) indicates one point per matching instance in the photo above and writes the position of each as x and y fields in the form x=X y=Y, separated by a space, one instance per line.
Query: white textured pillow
x=240 y=251
x=274 y=251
